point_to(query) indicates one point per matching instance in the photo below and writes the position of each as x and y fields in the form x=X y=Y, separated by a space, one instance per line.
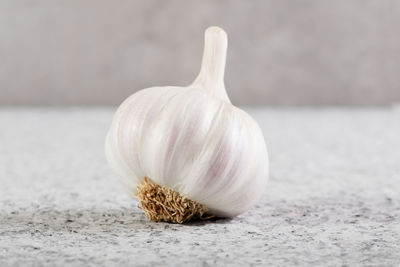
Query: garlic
x=187 y=151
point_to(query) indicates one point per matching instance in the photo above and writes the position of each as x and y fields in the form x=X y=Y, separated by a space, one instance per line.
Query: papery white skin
x=192 y=139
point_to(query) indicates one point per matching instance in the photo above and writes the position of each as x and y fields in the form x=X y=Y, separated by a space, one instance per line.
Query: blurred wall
x=287 y=52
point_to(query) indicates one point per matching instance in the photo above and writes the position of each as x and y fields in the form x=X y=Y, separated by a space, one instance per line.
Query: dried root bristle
x=161 y=204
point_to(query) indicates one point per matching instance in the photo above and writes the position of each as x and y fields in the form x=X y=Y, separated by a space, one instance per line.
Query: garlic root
x=161 y=204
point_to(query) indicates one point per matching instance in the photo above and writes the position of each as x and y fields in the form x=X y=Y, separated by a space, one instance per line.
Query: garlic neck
x=211 y=76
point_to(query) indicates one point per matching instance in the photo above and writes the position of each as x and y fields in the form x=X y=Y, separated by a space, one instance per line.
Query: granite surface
x=332 y=200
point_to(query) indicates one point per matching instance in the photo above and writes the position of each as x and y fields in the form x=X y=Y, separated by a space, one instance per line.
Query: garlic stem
x=211 y=76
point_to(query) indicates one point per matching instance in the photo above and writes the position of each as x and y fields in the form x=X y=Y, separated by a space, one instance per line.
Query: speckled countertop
x=333 y=197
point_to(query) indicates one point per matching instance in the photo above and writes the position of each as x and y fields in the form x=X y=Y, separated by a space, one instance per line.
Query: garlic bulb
x=187 y=151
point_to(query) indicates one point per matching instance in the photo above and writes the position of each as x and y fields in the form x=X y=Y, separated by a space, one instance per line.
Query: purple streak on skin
x=220 y=160
x=172 y=141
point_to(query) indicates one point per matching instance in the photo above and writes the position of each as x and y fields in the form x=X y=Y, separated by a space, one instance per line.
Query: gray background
x=280 y=52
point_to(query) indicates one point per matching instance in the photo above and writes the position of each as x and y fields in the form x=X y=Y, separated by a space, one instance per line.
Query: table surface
x=332 y=200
